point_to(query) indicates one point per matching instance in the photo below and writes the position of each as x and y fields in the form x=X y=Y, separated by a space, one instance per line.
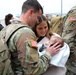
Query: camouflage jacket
x=56 y=25
x=23 y=52
x=69 y=35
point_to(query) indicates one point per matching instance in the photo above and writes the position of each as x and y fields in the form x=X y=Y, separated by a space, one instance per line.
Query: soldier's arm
x=25 y=59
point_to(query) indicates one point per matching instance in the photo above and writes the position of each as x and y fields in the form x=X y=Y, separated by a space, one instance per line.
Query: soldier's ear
x=31 y=11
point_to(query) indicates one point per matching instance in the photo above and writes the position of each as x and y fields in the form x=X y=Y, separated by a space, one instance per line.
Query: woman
x=43 y=36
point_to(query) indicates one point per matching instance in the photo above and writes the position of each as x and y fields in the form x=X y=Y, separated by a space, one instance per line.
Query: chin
x=43 y=35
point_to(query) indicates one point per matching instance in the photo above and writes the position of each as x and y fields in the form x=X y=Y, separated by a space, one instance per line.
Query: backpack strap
x=11 y=29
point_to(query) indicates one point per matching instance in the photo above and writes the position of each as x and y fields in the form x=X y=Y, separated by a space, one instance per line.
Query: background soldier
x=69 y=35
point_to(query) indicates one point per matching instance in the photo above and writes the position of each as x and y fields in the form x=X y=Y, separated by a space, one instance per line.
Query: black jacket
x=1 y=27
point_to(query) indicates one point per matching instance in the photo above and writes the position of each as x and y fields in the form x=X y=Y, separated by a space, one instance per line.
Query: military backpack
x=5 y=63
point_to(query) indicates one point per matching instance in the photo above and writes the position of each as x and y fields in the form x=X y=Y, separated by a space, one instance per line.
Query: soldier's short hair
x=34 y=4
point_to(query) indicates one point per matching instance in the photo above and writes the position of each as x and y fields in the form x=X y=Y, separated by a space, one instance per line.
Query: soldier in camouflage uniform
x=22 y=44
x=69 y=35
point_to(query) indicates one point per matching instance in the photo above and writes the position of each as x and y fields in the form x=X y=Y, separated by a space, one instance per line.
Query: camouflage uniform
x=56 y=24
x=24 y=55
x=69 y=35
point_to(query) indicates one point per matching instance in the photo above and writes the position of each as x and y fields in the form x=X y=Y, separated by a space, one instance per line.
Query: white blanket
x=59 y=59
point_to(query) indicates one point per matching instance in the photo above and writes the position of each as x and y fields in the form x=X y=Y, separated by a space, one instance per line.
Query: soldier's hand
x=54 y=49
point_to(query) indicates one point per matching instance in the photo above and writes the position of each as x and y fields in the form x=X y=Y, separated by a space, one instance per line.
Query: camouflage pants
x=70 y=73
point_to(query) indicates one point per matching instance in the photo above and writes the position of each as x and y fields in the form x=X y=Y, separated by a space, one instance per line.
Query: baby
x=59 y=59
x=54 y=39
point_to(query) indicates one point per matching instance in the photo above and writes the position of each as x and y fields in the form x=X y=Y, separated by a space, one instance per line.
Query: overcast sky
x=49 y=6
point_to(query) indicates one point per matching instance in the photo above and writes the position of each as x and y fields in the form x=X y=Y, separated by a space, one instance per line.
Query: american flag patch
x=34 y=43
x=72 y=19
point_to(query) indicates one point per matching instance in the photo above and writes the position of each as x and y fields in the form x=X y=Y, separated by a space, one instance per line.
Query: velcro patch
x=34 y=43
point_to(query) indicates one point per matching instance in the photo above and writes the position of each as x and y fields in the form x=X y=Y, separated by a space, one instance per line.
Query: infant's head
x=54 y=39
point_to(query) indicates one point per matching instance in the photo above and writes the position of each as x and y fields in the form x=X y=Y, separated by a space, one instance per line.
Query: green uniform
x=69 y=35
x=23 y=52
x=56 y=25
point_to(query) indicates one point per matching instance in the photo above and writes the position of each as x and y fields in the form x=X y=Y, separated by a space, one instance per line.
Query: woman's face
x=42 y=29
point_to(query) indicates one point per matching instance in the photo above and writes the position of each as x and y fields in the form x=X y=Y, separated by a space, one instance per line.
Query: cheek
x=46 y=30
x=38 y=32
x=33 y=19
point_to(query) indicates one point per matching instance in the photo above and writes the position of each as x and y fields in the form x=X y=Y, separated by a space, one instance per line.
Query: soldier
x=69 y=35
x=22 y=43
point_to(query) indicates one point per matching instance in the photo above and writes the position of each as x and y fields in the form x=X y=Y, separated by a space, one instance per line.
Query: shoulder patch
x=34 y=43
x=72 y=19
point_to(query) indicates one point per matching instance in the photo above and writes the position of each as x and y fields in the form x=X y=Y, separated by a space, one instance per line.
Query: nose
x=44 y=30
